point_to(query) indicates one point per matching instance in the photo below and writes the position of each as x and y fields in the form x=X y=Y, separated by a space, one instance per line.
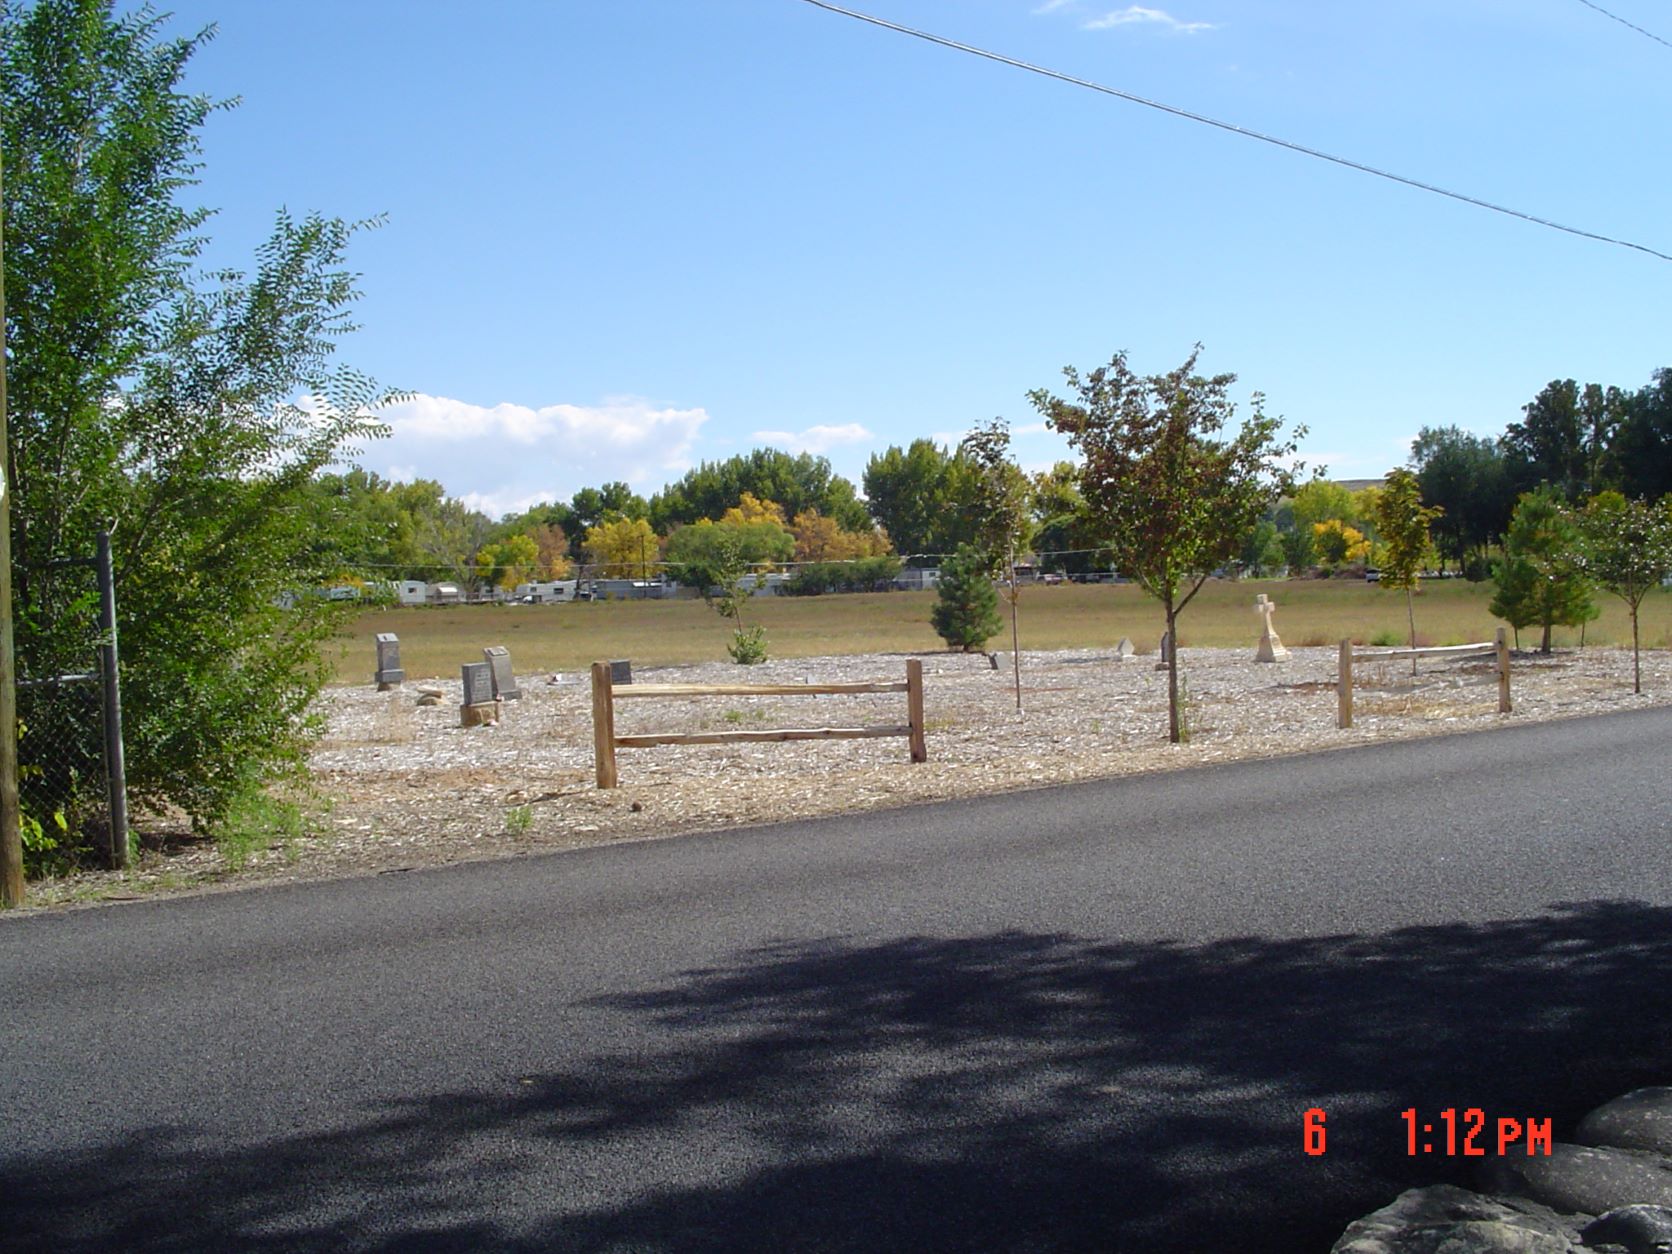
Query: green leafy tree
x=509 y=562
x=1261 y=552
x=1541 y=577
x=592 y=507
x=1001 y=514
x=1299 y=553
x=923 y=496
x=1175 y=500
x=1403 y=521
x=1322 y=501
x=966 y=609
x=160 y=404
x=1064 y=536
x=796 y=482
x=1468 y=479
x=1549 y=444
x=1628 y=550
x=728 y=589
x=698 y=555
x=1641 y=451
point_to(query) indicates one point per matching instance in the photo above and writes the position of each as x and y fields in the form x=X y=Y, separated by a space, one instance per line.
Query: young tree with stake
x=1403 y=522
x=1174 y=499
x=1628 y=550
x=1003 y=495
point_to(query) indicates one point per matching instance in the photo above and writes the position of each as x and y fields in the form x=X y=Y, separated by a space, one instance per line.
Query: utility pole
x=11 y=831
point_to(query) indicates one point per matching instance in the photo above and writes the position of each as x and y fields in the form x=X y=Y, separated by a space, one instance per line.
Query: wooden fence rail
x=605 y=694
x=1344 y=672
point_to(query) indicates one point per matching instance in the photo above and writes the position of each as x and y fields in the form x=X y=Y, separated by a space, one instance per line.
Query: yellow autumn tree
x=510 y=562
x=1337 y=544
x=751 y=509
x=553 y=545
x=623 y=548
x=821 y=539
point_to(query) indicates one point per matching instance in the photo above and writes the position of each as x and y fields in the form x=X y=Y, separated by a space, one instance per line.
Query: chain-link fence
x=70 y=777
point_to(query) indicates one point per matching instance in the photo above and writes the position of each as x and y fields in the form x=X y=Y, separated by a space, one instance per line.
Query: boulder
x=1584 y=1178
x=1641 y=1120
x=1444 y=1219
x=1636 y=1229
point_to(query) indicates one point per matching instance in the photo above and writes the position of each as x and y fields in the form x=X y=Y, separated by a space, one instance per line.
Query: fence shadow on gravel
x=1005 y=1092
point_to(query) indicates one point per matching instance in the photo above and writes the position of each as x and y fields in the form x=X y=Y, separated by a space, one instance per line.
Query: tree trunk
x=1636 y=657
x=1544 y=645
x=1173 y=730
x=1411 y=620
x=1015 y=636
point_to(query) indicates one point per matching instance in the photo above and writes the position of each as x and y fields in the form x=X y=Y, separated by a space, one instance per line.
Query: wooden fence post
x=603 y=724
x=1503 y=672
x=1344 y=687
x=914 y=709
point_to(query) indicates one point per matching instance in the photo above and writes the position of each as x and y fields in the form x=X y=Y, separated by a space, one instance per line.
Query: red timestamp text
x=1453 y=1133
x=1469 y=1134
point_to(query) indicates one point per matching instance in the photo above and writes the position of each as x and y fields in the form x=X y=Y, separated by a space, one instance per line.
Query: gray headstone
x=478 y=683
x=1166 y=651
x=389 y=672
x=504 y=682
x=621 y=672
x=1125 y=648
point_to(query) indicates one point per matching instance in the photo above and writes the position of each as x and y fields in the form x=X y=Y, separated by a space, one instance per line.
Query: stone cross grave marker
x=1271 y=648
x=504 y=682
x=389 y=673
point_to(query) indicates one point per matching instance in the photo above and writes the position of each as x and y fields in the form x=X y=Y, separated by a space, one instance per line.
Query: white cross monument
x=1271 y=648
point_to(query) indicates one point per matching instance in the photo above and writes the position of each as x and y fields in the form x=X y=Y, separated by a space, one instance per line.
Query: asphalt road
x=1088 y=1018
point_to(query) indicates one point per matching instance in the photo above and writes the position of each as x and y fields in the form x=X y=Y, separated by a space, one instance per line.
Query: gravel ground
x=401 y=786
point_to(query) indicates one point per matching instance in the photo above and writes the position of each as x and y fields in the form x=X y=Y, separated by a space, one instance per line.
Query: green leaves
x=190 y=414
x=1173 y=499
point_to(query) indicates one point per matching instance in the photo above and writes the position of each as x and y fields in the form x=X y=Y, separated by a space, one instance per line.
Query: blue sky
x=625 y=236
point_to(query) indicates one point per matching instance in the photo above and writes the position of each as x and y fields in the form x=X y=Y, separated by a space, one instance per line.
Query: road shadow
x=1015 y=1092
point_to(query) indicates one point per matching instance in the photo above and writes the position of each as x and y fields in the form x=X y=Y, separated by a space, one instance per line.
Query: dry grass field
x=434 y=642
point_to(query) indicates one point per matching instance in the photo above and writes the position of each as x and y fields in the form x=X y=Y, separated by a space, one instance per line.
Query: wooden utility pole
x=11 y=832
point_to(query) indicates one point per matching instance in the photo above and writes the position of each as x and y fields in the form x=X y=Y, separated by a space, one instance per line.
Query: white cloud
x=1051 y=6
x=1137 y=14
x=503 y=458
x=814 y=439
x=1032 y=428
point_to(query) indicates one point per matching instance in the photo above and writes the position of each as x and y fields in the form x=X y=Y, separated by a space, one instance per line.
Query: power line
x=1232 y=127
x=1647 y=34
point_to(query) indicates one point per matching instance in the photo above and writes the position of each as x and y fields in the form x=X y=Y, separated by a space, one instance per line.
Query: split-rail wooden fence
x=1344 y=674
x=605 y=694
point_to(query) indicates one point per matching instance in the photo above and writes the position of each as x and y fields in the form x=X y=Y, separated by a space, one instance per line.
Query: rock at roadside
x=1641 y=1120
x=1584 y=1178
x=1444 y=1219
x=1636 y=1229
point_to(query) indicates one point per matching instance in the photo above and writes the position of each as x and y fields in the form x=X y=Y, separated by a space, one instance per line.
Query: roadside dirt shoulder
x=404 y=786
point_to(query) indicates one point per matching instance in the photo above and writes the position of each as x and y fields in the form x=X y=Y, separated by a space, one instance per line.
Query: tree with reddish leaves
x=1173 y=496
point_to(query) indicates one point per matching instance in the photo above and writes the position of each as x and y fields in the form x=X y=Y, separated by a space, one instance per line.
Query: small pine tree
x=967 y=614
